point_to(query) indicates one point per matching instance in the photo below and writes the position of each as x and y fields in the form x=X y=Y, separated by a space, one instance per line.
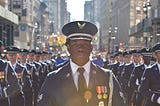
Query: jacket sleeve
x=13 y=87
x=46 y=97
x=154 y=96
x=116 y=96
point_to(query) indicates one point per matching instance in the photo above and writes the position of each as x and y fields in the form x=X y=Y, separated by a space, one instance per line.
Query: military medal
x=99 y=96
x=105 y=96
x=99 y=91
x=101 y=103
x=87 y=95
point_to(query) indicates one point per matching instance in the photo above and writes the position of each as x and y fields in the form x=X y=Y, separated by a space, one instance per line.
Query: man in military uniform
x=120 y=66
x=22 y=55
x=116 y=64
x=44 y=71
x=150 y=87
x=35 y=74
x=80 y=82
x=21 y=72
x=9 y=86
x=47 y=59
x=126 y=73
x=135 y=79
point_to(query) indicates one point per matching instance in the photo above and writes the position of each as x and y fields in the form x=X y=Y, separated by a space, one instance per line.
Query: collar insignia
x=81 y=25
x=93 y=72
x=68 y=75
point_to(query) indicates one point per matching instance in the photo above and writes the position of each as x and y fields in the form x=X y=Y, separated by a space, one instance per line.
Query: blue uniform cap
x=135 y=52
x=79 y=30
x=127 y=53
x=146 y=52
x=23 y=51
x=156 y=47
x=11 y=50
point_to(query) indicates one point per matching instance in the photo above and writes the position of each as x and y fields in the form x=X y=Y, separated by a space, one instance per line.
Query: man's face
x=36 y=57
x=127 y=58
x=137 y=58
x=22 y=57
x=30 y=56
x=79 y=49
x=11 y=56
x=120 y=58
x=157 y=54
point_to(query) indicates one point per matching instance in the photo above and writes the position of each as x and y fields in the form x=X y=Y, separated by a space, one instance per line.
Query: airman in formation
x=22 y=74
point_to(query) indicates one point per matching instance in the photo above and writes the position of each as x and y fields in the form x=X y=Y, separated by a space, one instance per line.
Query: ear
x=154 y=55
x=68 y=48
x=91 y=47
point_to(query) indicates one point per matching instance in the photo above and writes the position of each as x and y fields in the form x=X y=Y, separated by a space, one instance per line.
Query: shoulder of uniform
x=148 y=70
x=106 y=71
x=54 y=72
x=2 y=61
x=18 y=64
x=153 y=65
x=37 y=63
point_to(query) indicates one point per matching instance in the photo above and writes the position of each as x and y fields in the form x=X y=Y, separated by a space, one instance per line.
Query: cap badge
x=147 y=49
x=81 y=25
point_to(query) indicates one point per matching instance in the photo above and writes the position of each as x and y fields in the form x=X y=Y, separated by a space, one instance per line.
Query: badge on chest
x=102 y=94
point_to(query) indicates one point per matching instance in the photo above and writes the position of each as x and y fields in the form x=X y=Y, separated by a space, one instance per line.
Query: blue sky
x=76 y=8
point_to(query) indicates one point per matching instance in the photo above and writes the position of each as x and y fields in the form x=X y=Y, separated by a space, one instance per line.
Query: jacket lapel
x=92 y=79
x=67 y=79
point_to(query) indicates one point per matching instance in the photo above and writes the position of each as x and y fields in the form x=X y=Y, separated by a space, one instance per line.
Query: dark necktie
x=81 y=81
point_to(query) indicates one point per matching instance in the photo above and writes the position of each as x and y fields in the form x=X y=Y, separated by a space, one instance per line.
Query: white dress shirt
x=75 y=74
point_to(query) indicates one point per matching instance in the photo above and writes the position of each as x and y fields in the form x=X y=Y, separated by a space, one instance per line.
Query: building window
x=19 y=16
x=16 y=33
x=16 y=4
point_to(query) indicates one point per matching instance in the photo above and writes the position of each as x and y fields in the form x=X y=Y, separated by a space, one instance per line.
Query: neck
x=80 y=62
x=158 y=61
x=13 y=62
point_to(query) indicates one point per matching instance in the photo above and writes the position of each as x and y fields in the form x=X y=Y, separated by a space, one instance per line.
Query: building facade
x=146 y=32
x=58 y=15
x=8 y=24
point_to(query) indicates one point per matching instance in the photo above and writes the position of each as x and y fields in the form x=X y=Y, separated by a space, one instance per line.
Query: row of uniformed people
x=9 y=86
x=30 y=69
x=10 y=89
x=150 y=83
x=138 y=75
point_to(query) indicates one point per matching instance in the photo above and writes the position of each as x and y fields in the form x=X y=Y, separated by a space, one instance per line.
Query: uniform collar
x=158 y=66
x=74 y=67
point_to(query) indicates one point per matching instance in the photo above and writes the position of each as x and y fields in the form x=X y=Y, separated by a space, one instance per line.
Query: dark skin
x=79 y=51
x=147 y=59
